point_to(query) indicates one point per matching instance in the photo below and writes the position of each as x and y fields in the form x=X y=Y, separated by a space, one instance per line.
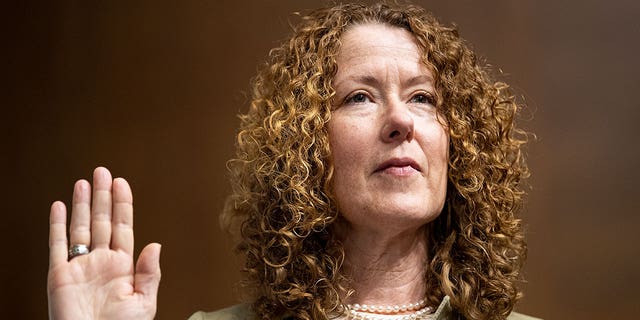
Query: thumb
x=147 y=278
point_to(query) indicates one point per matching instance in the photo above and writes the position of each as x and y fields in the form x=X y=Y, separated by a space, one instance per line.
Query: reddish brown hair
x=281 y=176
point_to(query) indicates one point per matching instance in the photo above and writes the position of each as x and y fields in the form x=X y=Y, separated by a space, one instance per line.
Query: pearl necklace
x=387 y=309
x=423 y=313
x=373 y=312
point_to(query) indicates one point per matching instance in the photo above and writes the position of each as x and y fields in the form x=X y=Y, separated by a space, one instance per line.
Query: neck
x=386 y=269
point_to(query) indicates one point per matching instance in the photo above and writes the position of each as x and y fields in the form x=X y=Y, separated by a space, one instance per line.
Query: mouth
x=401 y=165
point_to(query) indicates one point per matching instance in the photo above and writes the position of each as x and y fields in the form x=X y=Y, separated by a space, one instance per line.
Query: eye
x=423 y=98
x=357 y=98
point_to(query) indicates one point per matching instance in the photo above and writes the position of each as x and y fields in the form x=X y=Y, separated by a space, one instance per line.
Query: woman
x=376 y=177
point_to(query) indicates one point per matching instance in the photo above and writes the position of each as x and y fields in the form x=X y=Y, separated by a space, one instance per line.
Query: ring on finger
x=78 y=250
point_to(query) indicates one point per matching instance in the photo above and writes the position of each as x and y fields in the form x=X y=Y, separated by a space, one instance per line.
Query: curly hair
x=282 y=203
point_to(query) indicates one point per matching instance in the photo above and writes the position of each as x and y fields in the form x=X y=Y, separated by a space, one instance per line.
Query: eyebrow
x=420 y=79
x=373 y=81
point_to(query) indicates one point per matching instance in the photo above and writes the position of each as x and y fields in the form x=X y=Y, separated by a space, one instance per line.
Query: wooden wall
x=151 y=90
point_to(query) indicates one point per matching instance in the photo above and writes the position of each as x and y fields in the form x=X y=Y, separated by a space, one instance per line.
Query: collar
x=444 y=311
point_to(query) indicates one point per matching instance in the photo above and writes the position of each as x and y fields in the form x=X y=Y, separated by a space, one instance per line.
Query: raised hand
x=103 y=283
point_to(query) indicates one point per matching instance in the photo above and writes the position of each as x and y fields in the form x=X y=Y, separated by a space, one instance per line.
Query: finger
x=147 y=278
x=122 y=222
x=79 y=230
x=101 y=209
x=57 y=234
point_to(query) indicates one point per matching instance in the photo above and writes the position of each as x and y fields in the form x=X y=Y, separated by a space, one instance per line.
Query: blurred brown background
x=151 y=89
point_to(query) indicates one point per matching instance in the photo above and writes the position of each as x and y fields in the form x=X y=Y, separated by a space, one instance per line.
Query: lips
x=399 y=165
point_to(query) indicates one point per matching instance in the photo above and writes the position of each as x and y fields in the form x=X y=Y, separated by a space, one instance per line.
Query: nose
x=398 y=123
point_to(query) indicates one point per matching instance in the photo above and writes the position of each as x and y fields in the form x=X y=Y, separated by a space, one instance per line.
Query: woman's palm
x=103 y=284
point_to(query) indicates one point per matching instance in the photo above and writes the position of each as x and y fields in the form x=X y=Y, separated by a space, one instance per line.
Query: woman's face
x=389 y=148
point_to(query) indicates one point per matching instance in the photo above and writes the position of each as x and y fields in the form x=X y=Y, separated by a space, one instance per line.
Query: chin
x=415 y=216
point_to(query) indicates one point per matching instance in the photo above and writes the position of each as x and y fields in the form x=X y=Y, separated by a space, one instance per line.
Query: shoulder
x=445 y=312
x=520 y=316
x=237 y=312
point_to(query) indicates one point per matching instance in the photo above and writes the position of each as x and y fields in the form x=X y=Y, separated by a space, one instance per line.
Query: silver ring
x=77 y=250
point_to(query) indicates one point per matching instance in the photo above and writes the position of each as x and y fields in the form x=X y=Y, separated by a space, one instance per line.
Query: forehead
x=377 y=38
x=379 y=51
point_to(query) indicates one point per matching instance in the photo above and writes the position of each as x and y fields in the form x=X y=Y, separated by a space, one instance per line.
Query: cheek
x=444 y=158
x=345 y=143
x=348 y=153
x=444 y=146
x=439 y=134
x=345 y=162
x=437 y=152
x=434 y=138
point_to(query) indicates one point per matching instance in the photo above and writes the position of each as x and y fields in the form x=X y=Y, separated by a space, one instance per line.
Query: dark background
x=151 y=90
